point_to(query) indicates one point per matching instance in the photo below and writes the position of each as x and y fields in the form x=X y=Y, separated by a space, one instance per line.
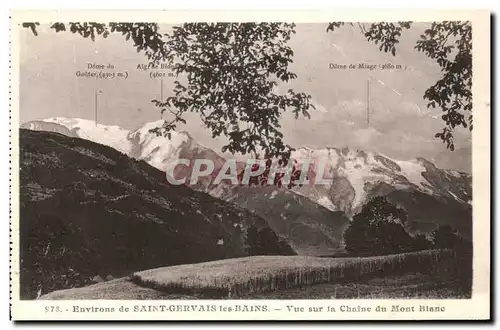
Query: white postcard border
x=478 y=307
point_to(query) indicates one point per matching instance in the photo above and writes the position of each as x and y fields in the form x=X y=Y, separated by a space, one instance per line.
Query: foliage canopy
x=449 y=44
x=231 y=71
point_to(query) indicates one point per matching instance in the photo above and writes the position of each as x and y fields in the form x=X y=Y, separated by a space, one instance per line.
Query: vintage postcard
x=182 y=165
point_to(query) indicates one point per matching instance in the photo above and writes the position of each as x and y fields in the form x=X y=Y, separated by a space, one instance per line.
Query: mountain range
x=312 y=217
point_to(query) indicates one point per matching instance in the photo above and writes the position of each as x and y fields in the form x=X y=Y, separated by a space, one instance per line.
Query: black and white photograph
x=248 y=161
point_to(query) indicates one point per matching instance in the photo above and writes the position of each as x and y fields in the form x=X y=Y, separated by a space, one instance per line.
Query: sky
x=400 y=125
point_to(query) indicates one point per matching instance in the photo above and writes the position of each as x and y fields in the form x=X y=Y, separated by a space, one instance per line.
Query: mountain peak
x=147 y=127
x=354 y=171
x=187 y=134
x=140 y=143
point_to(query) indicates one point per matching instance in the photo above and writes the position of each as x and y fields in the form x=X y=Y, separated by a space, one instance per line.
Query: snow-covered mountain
x=355 y=174
x=141 y=144
x=310 y=230
x=430 y=195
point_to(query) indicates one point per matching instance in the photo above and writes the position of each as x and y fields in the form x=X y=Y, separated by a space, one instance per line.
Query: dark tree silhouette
x=266 y=242
x=145 y=36
x=445 y=237
x=449 y=43
x=378 y=229
x=252 y=241
x=380 y=210
x=232 y=70
x=356 y=237
x=232 y=54
x=420 y=242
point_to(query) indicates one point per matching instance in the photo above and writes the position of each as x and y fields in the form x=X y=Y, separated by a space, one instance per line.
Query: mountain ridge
x=356 y=176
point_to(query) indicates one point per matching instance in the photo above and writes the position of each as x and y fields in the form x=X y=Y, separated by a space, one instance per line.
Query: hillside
x=87 y=209
x=309 y=228
x=140 y=144
x=432 y=196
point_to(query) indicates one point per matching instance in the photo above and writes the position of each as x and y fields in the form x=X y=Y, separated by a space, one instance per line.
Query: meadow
x=414 y=274
x=237 y=277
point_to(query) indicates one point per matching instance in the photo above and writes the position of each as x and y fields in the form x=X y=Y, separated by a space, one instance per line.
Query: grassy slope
x=408 y=286
x=425 y=273
x=87 y=209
